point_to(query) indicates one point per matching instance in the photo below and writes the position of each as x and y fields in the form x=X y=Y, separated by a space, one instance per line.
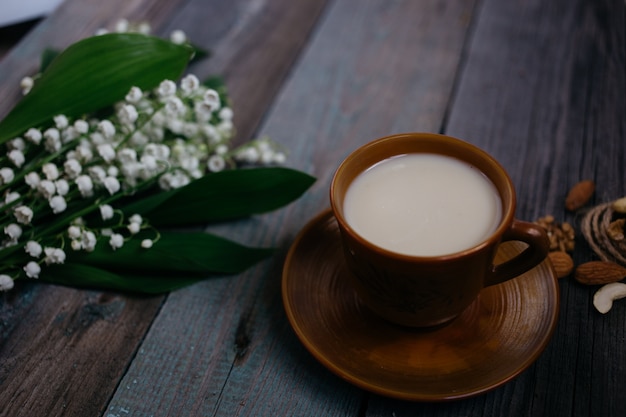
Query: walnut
x=615 y=230
x=561 y=235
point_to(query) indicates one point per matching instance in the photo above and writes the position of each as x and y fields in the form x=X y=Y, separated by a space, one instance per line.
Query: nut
x=604 y=297
x=615 y=230
x=579 y=195
x=562 y=263
x=599 y=272
x=619 y=205
x=561 y=236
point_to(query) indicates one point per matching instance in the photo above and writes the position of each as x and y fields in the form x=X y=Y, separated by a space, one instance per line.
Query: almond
x=599 y=272
x=579 y=195
x=562 y=263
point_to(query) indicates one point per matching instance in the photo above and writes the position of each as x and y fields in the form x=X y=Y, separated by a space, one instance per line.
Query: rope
x=594 y=226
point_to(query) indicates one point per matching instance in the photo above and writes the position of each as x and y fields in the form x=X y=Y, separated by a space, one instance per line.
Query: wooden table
x=541 y=85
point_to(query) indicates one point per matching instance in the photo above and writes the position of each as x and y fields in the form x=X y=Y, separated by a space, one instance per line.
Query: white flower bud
x=226 y=113
x=11 y=197
x=76 y=244
x=134 y=95
x=74 y=232
x=112 y=171
x=216 y=163
x=72 y=168
x=116 y=241
x=127 y=155
x=106 y=128
x=106 y=211
x=112 y=185
x=83 y=153
x=136 y=218
x=107 y=152
x=85 y=185
x=13 y=231
x=89 y=240
x=54 y=256
x=32 y=179
x=134 y=228
x=33 y=135
x=178 y=37
x=62 y=186
x=51 y=171
x=57 y=204
x=17 y=157
x=212 y=99
x=32 y=269
x=6 y=282
x=189 y=84
x=52 y=140
x=17 y=143
x=33 y=248
x=149 y=162
x=6 y=175
x=167 y=88
x=221 y=150
x=175 y=107
x=81 y=126
x=97 y=173
x=128 y=114
x=147 y=243
x=211 y=133
x=61 y=122
x=23 y=214
x=69 y=134
x=46 y=188
x=26 y=84
x=122 y=25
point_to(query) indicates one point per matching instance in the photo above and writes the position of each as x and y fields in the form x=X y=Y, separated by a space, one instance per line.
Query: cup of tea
x=421 y=217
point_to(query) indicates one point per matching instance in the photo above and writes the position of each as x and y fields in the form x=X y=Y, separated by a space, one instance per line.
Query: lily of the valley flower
x=33 y=248
x=164 y=138
x=116 y=241
x=54 y=255
x=23 y=214
x=6 y=282
x=32 y=269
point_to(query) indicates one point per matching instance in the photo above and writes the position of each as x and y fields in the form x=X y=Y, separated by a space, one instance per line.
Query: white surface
x=15 y=11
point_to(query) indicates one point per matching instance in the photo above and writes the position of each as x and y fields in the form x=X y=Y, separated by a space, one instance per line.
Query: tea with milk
x=423 y=204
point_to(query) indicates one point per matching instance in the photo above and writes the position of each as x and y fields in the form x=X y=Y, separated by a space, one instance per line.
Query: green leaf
x=85 y=276
x=199 y=53
x=177 y=254
x=94 y=73
x=47 y=57
x=223 y=196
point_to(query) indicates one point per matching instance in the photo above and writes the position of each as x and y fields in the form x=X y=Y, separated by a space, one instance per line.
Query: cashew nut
x=604 y=297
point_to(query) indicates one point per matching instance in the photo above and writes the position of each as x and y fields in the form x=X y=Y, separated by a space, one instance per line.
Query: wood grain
x=540 y=85
x=544 y=90
x=371 y=68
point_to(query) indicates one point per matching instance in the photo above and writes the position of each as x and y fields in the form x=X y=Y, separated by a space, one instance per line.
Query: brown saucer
x=496 y=338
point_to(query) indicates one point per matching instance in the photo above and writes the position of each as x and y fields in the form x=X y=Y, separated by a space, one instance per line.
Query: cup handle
x=537 y=250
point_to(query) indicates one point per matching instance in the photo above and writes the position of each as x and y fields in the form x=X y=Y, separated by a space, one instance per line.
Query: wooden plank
x=544 y=90
x=224 y=347
x=82 y=367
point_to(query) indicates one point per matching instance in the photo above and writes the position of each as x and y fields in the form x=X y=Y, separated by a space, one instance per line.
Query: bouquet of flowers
x=106 y=154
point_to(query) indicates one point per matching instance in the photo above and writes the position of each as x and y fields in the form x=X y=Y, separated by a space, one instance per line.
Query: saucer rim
x=542 y=342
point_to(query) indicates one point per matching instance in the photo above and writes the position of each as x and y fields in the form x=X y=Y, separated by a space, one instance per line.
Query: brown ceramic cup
x=428 y=291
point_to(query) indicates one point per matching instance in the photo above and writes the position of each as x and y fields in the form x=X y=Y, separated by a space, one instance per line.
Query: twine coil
x=594 y=226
